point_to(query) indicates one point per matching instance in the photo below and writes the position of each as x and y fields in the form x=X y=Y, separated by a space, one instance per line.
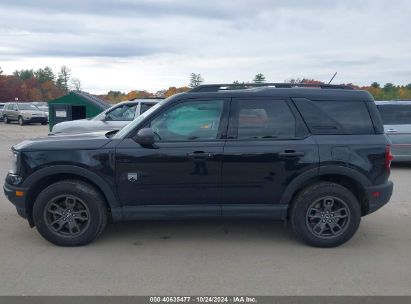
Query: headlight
x=14 y=162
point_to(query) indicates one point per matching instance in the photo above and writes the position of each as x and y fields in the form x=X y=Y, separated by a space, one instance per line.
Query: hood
x=62 y=126
x=84 y=141
x=31 y=112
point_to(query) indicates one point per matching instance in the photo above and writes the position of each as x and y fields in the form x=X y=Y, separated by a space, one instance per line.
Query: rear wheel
x=21 y=121
x=325 y=215
x=70 y=213
x=5 y=119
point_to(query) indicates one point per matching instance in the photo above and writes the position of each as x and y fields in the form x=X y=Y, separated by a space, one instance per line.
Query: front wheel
x=325 y=215
x=21 y=121
x=6 y=120
x=70 y=213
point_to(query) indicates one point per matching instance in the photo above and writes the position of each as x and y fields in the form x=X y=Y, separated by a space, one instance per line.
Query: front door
x=184 y=165
x=267 y=147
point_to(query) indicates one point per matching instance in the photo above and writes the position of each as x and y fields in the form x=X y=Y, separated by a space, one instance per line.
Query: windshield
x=123 y=132
x=27 y=106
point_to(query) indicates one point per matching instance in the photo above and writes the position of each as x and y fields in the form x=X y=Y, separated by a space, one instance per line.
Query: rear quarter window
x=335 y=117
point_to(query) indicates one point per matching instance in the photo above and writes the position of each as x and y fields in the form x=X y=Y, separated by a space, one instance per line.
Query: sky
x=126 y=45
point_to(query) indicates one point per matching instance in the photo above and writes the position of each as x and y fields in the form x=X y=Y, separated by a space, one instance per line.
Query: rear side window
x=145 y=107
x=335 y=117
x=395 y=114
x=257 y=119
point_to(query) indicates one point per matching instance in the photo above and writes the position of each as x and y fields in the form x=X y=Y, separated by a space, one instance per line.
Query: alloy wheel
x=67 y=216
x=328 y=217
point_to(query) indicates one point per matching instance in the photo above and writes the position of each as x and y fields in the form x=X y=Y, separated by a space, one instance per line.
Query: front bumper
x=36 y=120
x=384 y=192
x=18 y=201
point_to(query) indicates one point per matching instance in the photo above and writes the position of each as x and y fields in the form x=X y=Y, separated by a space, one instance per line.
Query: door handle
x=200 y=154
x=290 y=153
x=392 y=131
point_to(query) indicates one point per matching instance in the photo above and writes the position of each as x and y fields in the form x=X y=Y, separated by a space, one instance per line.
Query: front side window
x=196 y=120
x=122 y=113
x=259 y=119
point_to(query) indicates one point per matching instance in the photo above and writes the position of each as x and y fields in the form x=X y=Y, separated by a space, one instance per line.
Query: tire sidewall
x=5 y=119
x=90 y=198
x=304 y=201
x=21 y=121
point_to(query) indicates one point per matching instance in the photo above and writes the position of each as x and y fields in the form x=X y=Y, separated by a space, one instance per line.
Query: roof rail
x=243 y=86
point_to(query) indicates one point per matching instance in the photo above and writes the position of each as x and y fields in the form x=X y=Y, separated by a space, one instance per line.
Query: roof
x=91 y=98
x=310 y=92
x=393 y=102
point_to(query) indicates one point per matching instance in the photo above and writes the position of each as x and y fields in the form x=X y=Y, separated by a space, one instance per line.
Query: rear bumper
x=17 y=201
x=378 y=196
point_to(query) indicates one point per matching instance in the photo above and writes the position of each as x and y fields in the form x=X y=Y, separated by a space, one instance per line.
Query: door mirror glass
x=145 y=137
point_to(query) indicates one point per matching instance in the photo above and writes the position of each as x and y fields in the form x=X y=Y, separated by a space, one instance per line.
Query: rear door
x=267 y=147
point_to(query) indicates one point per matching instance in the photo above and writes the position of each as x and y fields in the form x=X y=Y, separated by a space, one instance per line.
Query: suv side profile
x=23 y=113
x=316 y=157
x=114 y=118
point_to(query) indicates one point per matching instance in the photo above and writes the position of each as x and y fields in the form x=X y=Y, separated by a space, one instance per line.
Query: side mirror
x=145 y=137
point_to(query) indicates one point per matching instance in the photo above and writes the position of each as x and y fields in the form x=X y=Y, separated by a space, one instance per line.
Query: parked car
x=24 y=113
x=43 y=106
x=1 y=110
x=114 y=118
x=316 y=157
x=396 y=117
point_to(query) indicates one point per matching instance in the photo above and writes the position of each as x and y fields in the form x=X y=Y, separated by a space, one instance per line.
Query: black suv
x=315 y=156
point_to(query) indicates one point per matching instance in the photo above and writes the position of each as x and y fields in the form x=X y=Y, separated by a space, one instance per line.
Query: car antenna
x=332 y=78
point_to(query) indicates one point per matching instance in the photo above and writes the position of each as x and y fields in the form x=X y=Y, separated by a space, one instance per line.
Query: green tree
x=388 y=87
x=195 y=80
x=64 y=78
x=375 y=85
x=259 y=78
x=408 y=86
x=24 y=74
x=44 y=75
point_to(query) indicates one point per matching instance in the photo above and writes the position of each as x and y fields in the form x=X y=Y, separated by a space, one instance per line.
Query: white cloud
x=124 y=45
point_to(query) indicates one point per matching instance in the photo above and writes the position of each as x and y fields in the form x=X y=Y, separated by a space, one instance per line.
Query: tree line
x=37 y=85
x=43 y=85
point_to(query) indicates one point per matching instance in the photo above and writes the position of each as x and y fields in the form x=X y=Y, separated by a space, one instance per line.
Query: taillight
x=388 y=158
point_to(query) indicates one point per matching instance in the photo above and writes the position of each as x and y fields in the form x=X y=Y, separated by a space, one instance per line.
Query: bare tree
x=76 y=84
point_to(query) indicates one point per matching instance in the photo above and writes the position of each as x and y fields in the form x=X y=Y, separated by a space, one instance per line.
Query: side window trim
x=223 y=125
x=301 y=131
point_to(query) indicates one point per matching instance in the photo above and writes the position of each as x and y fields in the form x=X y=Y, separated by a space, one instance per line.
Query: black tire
x=6 y=120
x=44 y=123
x=21 y=121
x=90 y=208
x=318 y=224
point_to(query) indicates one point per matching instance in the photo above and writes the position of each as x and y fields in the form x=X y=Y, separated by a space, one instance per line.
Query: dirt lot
x=206 y=257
